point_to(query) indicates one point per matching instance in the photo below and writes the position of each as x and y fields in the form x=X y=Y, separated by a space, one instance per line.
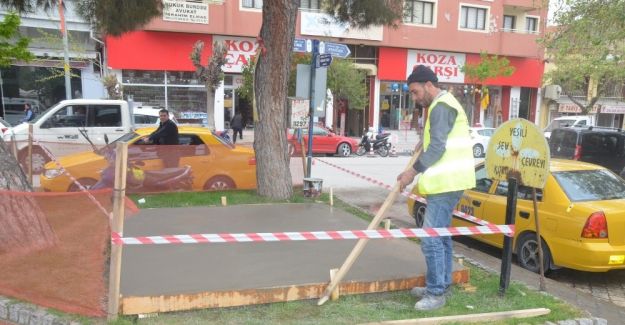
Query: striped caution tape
x=75 y=181
x=117 y=239
x=407 y=194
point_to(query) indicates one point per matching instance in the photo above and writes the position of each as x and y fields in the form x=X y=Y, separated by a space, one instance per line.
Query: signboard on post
x=339 y=50
x=299 y=108
x=324 y=60
x=518 y=149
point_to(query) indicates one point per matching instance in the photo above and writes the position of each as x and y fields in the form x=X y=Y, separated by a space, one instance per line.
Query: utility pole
x=68 y=84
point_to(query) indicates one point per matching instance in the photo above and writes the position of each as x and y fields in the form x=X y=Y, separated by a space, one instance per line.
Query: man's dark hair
x=164 y=111
x=28 y=105
x=422 y=74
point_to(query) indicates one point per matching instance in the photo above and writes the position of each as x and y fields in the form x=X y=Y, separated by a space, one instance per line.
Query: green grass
x=356 y=308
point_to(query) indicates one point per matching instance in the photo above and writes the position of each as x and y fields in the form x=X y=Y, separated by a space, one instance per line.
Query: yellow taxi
x=581 y=212
x=216 y=164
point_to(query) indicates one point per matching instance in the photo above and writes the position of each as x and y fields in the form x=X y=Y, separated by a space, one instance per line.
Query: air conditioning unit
x=552 y=92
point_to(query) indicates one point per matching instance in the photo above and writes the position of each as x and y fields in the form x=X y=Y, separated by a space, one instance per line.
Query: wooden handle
x=357 y=250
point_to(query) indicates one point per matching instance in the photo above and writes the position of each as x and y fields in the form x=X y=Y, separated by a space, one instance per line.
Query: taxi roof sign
x=518 y=149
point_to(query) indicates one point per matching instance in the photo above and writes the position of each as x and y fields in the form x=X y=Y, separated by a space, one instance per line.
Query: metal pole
x=68 y=84
x=541 y=265
x=506 y=259
x=4 y=113
x=311 y=111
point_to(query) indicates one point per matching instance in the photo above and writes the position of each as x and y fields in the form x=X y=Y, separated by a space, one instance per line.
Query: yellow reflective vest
x=455 y=171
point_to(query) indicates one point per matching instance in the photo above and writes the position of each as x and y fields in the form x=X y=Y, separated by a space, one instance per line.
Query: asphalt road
x=607 y=289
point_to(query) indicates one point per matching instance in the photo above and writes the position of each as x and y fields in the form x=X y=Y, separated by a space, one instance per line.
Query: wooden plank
x=117 y=225
x=360 y=245
x=133 y=305
x=470 y=318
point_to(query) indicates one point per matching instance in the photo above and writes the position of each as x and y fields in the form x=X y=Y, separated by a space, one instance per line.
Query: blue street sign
x=324 y=60
x=299 y=45
x=340 y=50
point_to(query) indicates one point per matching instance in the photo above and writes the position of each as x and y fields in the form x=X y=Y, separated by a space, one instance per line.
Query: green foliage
x=489 y=67
x=246 y=90
x=587 y=48
x=13 y=47
x=363 y=13
x=347 y=82
x=115 y=17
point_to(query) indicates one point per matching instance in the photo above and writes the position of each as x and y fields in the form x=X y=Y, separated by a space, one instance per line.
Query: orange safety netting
x=60 y=258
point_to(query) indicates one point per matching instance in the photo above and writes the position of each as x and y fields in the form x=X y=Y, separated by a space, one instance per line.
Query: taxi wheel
x=478 y=151
x=527 y=253
x=419 y=214
x=219 y=183
x=86 y=182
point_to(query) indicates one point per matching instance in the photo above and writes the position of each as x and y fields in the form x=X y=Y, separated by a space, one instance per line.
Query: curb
x=29 y=314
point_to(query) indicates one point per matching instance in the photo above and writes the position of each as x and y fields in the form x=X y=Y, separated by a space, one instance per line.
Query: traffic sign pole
x=311 y=111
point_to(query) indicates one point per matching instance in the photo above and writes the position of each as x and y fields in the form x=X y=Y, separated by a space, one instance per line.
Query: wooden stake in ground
x=30 y=154
x=542 y=285
x=471 y=318
x=390 y=199
x=117 y=225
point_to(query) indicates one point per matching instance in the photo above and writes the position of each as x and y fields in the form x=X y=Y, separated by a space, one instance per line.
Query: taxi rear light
x=578 y=152
x=596 y=226
x=252 y=161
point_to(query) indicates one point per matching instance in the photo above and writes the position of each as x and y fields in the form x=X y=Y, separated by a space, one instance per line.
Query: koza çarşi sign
x=185 y=12
x=239 y=52
x=446 y=65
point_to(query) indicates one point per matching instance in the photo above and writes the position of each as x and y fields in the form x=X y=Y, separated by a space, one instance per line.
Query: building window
x=256 y=4
x=419 y=12
x=531 y=24
x=509 y=23
x=309 y=4
x=473 y=18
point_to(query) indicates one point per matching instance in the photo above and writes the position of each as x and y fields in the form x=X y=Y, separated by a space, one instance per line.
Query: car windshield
x=559 y=124
x=591 y=185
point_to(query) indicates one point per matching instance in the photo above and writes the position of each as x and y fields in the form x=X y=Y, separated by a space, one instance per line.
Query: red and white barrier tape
x=312 y=235
x=407 y=194
x=75 y=181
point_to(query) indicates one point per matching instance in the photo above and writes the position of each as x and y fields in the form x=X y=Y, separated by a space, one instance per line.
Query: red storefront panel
x=148 y=50
x=527 y=72
x=392 y=63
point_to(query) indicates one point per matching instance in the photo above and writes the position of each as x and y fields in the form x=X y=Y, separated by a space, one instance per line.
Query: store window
x=256 y=4
x=473 y=17
x=177 y=91
x=531 y=24
x=396 y=106
x=418 y=12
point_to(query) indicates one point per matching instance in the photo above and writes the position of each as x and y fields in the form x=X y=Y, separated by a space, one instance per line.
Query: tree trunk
x=210 y=109
x=270 y=82
x=23 y=226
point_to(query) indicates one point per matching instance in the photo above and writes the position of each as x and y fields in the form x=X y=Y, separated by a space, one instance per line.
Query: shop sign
x=607 y=109
x=446 y=65
x=320 y=24
x=185 y=12
x=240 y=51
x=518 y=149
x=573 y=108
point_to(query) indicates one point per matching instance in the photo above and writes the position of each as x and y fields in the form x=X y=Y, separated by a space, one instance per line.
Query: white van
x=148 y=116
x=59 y=128
x=569 y=121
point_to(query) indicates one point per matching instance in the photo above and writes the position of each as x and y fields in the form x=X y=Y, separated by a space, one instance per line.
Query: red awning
x=149 y=50
x=528 y=72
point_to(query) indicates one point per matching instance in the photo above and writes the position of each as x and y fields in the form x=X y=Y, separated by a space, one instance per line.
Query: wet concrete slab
x=179 y=269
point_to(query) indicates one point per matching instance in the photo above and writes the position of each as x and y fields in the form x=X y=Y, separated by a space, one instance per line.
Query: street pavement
x=601 y=294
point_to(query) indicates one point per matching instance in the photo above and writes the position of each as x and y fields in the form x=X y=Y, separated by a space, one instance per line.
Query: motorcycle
x=380 y=143
x=139 y=180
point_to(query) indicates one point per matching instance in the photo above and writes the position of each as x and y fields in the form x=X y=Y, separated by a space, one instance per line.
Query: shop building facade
x=441 y=34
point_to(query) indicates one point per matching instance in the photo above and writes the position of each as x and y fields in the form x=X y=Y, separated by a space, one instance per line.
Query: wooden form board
x=218 y=299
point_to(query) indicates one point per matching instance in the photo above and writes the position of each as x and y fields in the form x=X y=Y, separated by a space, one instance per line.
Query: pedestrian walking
x=237 y=127
x=442 y=173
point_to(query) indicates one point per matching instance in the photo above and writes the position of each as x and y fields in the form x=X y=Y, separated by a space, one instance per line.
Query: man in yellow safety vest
x=443 y=171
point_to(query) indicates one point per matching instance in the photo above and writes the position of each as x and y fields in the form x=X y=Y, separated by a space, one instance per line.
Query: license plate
x=617 y=259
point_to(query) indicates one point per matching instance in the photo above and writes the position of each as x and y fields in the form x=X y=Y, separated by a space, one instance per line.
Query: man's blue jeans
x=438 y=250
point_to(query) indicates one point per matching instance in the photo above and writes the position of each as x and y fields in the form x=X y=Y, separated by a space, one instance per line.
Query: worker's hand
x=406 y=178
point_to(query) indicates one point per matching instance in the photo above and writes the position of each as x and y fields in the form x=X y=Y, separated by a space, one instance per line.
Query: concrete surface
x=174 y=269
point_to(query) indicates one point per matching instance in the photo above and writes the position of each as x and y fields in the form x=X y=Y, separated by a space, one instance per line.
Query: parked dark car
x=597 y=145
